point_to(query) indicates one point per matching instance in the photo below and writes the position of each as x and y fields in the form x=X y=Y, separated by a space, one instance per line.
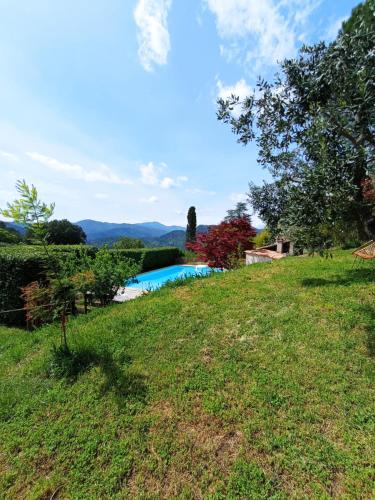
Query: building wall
x=253 y=259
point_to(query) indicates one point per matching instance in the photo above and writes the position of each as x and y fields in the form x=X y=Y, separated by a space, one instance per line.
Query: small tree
x=34 y=215
x=240 y=211
x=191 y=228
x=262 y=238
x=63 y=232
x=223 y=245
x=111 y=271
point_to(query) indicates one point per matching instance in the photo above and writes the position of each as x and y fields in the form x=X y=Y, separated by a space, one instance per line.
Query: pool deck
x=126 y=293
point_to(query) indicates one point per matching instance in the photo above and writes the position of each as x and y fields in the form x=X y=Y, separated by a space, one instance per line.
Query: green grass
x=252 y=384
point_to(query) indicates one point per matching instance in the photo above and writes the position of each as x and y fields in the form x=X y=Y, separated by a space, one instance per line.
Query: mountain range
x=153 y=234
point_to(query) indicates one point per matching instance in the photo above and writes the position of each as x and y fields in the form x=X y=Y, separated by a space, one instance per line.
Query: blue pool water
x=156 y=279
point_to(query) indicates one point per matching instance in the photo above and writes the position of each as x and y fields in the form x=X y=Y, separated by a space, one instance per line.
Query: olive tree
x=314 y=128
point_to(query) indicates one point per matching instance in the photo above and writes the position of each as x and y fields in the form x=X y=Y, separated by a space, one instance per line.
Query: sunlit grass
x=254 y=383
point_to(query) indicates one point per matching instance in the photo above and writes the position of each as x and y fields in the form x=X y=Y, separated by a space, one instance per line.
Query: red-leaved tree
x=223 y=246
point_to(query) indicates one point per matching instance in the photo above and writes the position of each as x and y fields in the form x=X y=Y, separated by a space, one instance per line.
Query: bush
x=110 y=271
x=126 y=242
x=262 y=238
x=17 y=270
x=21 y=265
x=153 y=257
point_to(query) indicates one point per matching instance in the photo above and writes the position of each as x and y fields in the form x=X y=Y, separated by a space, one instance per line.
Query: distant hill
x=153 y=234
x=17 y=227
x=172 y=239
x=159 y=227
x=175 y=238
x=99 y=232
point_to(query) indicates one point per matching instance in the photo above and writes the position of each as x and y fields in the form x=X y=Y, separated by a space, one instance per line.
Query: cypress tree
x=191 y=228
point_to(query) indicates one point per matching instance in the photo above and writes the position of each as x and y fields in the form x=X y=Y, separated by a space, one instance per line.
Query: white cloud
x=101 y=196
x=257 y=222
x=259 y=33
x=304 y=9
x=240 y=89
x=8 y=156
x=153 y=36
x=151 y=176
x=102 y=173
x=333 y=29
x=167 y=183
x=237 y=197
x=205 y=192
x=151 y=199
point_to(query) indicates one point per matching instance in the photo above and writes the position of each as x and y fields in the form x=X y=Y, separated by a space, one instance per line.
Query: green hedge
x=19 y=266
x=22 y=264
x=17 y=269
x=153 y=257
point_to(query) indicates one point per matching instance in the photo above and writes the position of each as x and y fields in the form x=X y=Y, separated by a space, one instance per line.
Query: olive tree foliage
x=314 y=128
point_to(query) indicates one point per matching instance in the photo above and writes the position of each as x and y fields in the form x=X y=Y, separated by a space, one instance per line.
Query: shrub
x=153 y=258
x=262 y=238
x=17 y=270
x=223 y=246
x=38 y=300
x=110 y=271
x=21 y=265
x=126 y=242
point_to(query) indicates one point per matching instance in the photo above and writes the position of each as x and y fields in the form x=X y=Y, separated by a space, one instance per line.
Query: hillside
x=97 y=231
x=176 y=238
x=255 y=383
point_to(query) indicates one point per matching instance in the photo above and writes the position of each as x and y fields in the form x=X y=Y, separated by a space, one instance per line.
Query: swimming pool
x=156 y=279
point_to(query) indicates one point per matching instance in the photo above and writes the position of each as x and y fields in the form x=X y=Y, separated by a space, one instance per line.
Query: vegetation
x=262 y=238
x=34 y=215
x=126 y=242
x=21 y=265
x=108 y=271
x=152 y=258
x=60 y=232
x=17 y=269
x=53 y=291
x=314 y=129
x=212 y=389
x=223 y=245
x=8 y=234
x=191 y=228
x=240 y=211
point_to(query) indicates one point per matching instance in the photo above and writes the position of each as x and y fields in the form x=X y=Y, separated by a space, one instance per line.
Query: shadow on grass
x=125 y=385
x=349 y=277
x=368 y=313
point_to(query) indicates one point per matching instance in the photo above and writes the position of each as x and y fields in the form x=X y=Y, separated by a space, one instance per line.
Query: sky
x=109 y=106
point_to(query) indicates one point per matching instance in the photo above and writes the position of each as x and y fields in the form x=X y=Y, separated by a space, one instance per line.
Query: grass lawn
x=256 y=383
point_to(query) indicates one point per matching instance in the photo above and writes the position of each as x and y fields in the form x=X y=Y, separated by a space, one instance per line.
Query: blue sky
x=108 y=107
